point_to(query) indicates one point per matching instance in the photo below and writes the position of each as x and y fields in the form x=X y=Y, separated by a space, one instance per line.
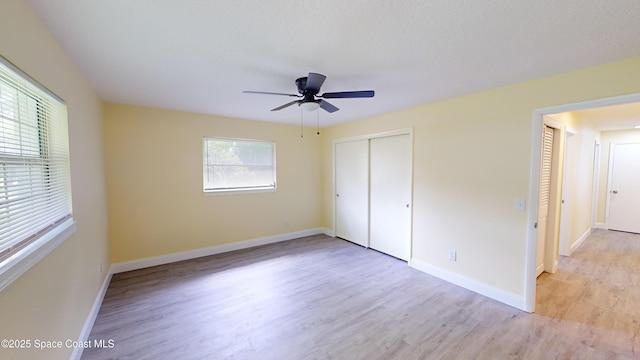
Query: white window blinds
x=35 y=190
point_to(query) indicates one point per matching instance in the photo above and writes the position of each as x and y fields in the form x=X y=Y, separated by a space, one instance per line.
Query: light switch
x=519 y=204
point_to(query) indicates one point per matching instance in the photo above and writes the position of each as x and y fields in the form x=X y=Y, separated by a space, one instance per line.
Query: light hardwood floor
x=325 y=298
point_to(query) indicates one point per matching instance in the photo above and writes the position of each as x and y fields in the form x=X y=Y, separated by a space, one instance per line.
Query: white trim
x=608 y=197
x=595 y=186
x=239 y=191
x=23 y=260
x=552 y=123
x=539 y=269
x=581 y=105
x=192 y=254
x=93 y=314
x=579 y=242
x=33 y=81
x=376 y=135
x=481 y=288
x=530 y=271
x=328 y=232
x=602 y=226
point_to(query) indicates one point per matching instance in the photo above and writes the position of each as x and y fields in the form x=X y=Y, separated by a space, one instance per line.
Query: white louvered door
x=545 y=195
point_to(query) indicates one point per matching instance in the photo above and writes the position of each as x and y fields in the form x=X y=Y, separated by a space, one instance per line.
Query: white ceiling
x=198 y=56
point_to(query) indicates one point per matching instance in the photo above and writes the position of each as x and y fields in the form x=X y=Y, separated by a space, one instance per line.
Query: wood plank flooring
x=325 y=298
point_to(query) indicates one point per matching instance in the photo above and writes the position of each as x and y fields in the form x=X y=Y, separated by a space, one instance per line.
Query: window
x=35 y=190
x=238 y=165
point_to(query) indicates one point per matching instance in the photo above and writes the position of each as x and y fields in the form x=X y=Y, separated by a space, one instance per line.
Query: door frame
x=534 y=176
x=596 y=183
x=570 y=148
x=403 y=131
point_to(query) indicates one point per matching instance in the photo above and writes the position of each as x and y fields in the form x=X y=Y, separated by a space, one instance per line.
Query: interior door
x=390 y=195
x=545 y=195
x=352 y=191
x=624 y=196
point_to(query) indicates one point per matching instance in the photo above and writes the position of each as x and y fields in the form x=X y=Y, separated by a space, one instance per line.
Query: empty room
x=319 y=180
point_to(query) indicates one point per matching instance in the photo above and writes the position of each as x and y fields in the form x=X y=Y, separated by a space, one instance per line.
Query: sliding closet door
x=390 y=195
x=352 y=191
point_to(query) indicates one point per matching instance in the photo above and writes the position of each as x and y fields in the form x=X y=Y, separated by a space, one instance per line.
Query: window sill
x=12 y=268
x=238 y=191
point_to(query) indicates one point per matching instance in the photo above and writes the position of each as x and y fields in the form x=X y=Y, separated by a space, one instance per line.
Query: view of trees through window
x=231 y=164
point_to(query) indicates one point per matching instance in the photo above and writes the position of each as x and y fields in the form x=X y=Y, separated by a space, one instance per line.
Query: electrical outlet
x=286 y=222
x=452 y=255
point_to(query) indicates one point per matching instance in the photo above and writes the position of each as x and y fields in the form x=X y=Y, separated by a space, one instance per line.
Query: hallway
x=595 y=295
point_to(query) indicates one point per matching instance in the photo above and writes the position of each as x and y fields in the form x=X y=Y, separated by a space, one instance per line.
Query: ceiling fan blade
x=269 y=93
x=348 y=94
x=286 y=105
x=314 y=82
x=327 y=106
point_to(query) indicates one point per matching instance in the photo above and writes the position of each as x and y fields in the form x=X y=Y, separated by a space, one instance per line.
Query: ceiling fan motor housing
x=301 y=83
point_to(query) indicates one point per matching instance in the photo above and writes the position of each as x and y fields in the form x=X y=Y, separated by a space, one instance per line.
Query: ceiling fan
x=309 y=87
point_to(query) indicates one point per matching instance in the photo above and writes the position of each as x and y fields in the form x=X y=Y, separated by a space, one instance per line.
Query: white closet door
x=352 y=191
x=390 y=195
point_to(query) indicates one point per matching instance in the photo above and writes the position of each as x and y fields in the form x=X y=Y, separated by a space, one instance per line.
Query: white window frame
x=22 y=251
x=241 y=189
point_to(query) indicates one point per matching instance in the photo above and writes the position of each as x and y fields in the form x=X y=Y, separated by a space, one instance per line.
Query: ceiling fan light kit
x=309 y=105
x=309 y=87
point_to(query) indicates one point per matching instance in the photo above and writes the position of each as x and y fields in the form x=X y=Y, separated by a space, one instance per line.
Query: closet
x=373 y=192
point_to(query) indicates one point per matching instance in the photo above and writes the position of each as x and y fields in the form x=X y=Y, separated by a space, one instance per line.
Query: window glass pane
x=231 y=164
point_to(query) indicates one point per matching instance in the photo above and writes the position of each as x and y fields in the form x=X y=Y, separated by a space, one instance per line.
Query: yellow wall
x=52 y=300
x=471 y=160
x=154 y=179
x=608 y=138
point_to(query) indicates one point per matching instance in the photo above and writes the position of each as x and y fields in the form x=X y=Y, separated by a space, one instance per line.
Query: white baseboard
x=602 y=226
x=93 y=314
x=481 y=288
x=328 y=232
x=192 y=254
x=579 y=242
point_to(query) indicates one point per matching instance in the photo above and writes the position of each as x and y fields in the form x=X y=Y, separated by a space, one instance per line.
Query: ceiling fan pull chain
x=301 y=128
x=318 y=126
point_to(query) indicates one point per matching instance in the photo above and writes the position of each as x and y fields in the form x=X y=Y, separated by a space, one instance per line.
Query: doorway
x=538 y=120
x=624 y=191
